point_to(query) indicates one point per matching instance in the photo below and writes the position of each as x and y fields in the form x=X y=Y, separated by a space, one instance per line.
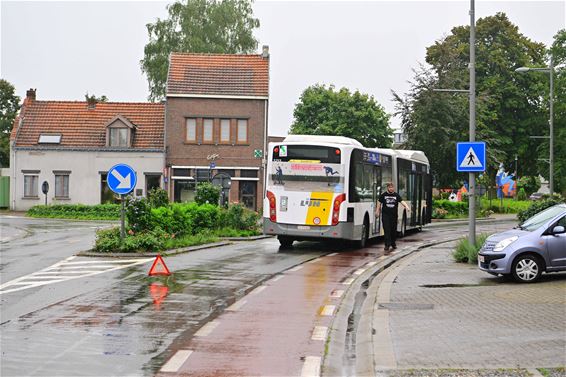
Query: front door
x=556 y=246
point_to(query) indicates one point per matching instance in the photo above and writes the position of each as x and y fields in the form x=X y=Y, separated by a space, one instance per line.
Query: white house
x=72 y=145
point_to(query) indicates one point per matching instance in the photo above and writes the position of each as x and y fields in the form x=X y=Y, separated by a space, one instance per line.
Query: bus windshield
x=307 y=168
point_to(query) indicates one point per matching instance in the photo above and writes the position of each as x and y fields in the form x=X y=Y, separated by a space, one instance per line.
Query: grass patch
x=190 y=240
x=465 y=252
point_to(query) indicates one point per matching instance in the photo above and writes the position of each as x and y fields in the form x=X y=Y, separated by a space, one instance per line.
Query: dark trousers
x=389 y=228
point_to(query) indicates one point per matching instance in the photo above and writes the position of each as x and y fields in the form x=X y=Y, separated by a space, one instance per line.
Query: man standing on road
x=389 y=202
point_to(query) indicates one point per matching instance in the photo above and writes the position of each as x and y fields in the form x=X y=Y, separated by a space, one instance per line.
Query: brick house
x=216 y=122
x=72 y=145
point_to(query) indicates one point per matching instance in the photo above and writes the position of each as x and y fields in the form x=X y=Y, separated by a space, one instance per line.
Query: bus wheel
x=364 y=237
x=285 y=242
x=403 y=231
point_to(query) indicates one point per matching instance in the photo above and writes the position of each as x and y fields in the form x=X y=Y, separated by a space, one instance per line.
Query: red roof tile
x=82 y=127
x=214 y=74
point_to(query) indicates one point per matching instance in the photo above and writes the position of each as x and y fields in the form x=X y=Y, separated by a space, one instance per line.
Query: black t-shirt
x=390 y=202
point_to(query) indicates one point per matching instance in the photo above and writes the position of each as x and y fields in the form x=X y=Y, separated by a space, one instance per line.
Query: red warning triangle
x=158 y=267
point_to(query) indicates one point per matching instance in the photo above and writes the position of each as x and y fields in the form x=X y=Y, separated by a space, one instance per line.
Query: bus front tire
x=285 y=242
x=364 y=237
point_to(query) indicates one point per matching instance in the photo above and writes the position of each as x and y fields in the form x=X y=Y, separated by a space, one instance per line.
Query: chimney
x=91 y=102
x=265 y=52
x=30 y=94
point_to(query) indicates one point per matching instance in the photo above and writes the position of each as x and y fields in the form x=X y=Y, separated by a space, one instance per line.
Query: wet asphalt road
x=120 y=321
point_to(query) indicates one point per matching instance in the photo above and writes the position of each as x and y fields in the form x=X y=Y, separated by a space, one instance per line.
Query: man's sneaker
x=394 y=247
x=386 y=248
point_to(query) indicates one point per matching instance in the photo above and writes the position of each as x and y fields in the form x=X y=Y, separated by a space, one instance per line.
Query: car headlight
x=504 y=243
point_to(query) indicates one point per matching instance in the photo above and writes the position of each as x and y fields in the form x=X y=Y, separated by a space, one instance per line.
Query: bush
x=465 y=252
x=454 y=209
x=207 y=193
x=108 y=240
x=439 y=213
x=539 y=206
x=138 y=213
x=240 y=218
x=76 y=211
x=521 y=195
x=158 y=197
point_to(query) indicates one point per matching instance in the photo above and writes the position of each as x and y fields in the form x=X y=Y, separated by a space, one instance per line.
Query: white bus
x=326 y=187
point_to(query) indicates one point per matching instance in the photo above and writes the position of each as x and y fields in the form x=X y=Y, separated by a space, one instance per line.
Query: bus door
x=377 y=189
x=413 y=196
x=419 y=203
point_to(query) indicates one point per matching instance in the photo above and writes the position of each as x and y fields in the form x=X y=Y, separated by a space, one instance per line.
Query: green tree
x=325 y=111
x=558 y=51
x=9 y=107
x=94 y=98
x=200 y=26
x=508 y=107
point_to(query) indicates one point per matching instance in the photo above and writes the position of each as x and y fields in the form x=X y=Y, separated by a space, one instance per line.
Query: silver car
x=538 y=245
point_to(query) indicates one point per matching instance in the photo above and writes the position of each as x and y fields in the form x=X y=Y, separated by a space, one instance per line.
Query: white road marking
x=207 y=329
x=371 y=264
x=175 y=363
x=348 y=281
x=311 y=367
x=319 y=333
x=295 y=269
x=328 y=310
x=314 y=260
x=67 y=270
x=258 y=290
x=331 y=255
x=277 y=278
x=337 y=293
x=359 y=271
x=237 y=306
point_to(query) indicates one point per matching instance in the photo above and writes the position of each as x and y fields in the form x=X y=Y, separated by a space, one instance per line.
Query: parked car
x=538 y=245
x=536 y=196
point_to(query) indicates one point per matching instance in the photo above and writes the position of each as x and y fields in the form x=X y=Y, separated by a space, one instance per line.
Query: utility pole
x=472 y=176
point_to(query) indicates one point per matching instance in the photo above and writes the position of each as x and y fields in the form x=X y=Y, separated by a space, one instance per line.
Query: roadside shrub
x=465 y=252
x=138 y=213
x=202 y=217
x=452 y=208
x=158 y=197
x=521 y=195
x=207 y=193
x=239 y=217
x=108 y=240
x=439 y=213
x=538 y=206
x=76 y=211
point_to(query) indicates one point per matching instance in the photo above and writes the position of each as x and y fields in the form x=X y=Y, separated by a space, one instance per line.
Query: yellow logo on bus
x=320 y=208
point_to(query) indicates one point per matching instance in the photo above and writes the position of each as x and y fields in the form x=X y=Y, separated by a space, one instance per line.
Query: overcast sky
x=65 y=49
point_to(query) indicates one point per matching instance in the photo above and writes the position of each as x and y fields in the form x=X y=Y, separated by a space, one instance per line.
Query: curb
x=465 y=221
x=187 y=249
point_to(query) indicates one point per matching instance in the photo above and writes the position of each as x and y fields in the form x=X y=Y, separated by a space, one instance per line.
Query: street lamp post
x=550 y=71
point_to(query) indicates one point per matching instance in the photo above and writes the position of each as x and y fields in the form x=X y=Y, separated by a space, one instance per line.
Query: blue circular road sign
x=121 y=179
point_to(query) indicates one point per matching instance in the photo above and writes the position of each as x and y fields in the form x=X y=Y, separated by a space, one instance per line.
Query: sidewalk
x=430 y=313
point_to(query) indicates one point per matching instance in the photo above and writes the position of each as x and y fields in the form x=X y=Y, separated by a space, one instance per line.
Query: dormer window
x=120 y=132
x=118 y=137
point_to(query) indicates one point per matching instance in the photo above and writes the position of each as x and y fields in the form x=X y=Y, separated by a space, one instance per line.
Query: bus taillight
x=336 y=208
x=272 y=213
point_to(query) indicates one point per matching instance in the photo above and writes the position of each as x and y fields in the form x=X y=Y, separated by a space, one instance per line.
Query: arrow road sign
x=470 y=156
x=121 y=179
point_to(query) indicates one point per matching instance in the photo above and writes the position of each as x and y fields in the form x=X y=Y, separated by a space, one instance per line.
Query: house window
x=191 y=130
x=207 y=130
x=224 y=130
x=242 y=130
x=106 y=195
x=248 y=194
x=248 y=173
x=61 y=186
x=152 y=181
x=30 y=186
x=118 y=137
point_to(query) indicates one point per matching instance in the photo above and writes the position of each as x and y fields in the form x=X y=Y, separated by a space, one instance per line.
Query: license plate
x=481 y=258
x=303 y=227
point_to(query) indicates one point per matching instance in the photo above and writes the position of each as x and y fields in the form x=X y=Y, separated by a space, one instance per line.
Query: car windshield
x=541 y=218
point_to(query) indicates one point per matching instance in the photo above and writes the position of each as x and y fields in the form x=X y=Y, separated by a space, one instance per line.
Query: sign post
x=122 y=180
x=45 y=190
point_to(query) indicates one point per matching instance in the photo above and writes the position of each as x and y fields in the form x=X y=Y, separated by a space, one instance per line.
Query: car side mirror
x=558 y=230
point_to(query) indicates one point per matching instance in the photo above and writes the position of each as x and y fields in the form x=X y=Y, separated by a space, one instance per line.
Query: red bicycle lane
x=279 y=328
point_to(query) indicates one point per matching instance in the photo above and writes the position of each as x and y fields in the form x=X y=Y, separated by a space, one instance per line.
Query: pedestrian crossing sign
x=470 y=156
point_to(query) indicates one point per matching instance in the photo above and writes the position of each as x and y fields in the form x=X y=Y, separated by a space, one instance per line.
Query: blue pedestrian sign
x=470 y=156
x=121 y=179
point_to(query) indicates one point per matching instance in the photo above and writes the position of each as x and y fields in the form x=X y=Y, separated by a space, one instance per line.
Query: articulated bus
x=326 y=187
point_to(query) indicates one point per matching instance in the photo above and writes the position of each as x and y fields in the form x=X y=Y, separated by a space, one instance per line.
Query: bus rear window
x=286 y=153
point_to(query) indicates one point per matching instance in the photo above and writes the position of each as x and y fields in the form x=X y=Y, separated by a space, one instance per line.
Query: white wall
x=85 y=177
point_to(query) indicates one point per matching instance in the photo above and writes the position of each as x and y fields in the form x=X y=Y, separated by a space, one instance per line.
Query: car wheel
x=285 y=242
x=364 y=237
x=527 y=268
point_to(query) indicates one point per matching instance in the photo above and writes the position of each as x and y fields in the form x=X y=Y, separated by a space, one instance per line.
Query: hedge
x=76 y=211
